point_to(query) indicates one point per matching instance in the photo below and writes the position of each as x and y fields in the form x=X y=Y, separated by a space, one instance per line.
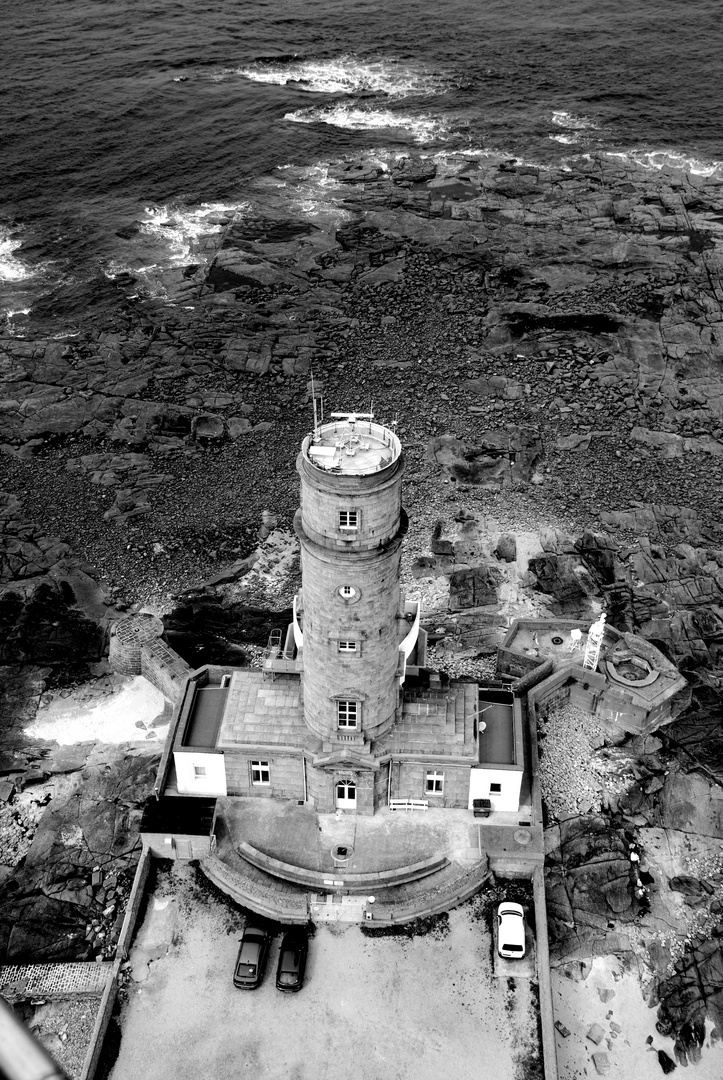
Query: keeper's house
x=345 y=715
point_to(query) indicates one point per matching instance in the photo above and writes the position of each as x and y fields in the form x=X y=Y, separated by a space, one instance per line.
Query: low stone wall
x=440 y=897
x=547 y=1016
x=164 y=668
x=105 y=1011
x=319 y=881
x=107 y=1003
x=277 y=904
x=135 y=900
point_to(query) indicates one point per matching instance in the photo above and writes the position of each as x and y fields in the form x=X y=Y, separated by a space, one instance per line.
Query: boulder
x=208 y=428
x=238 y=425
x=564 y=578
x=500 y=458
x=474 y=587
x=506 y=549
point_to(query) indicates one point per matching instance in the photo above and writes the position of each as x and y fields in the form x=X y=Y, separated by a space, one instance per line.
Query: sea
x=128 y=128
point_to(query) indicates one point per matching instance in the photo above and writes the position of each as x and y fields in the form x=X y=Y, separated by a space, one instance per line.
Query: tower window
x=199 y=770
x=347 y=592
x=347 y=714
x=347 y=646
x=260 y=772
x=495 y=789
x=435 y=783
x=349 y=520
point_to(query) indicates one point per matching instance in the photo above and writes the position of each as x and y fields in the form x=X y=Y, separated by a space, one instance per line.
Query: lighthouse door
x=345 y=795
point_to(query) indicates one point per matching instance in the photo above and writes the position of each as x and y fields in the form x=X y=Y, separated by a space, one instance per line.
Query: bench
x=408 y=804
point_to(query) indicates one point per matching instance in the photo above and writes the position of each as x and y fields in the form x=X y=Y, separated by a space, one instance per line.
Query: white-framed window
x=347 y=592
x=347 y=714
x=349 y=520
x=348 y=646
x=260 y=772
x=435 y=783
x=199 y=770
x=495 y=789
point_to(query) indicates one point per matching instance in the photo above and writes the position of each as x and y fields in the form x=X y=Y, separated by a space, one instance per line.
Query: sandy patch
x=125 y=715
x=578 y=1005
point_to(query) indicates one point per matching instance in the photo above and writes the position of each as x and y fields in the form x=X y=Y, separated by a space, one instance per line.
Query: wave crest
x=564 y=119
x=421 y=128
x=346 y=75
x=669 y=159
x=11 y=268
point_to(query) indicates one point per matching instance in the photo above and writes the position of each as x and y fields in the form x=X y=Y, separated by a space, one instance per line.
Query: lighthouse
x=350 y=526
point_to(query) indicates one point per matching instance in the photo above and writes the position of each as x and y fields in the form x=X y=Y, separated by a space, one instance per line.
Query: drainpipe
x=389 y=782
x=303 y=767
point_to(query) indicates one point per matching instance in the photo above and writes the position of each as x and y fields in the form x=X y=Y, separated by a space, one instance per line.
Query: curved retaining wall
x=314 y=879
x=437 y=899
x=273 y=903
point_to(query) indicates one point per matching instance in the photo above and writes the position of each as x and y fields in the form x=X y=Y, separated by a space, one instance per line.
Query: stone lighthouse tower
x=350 y=526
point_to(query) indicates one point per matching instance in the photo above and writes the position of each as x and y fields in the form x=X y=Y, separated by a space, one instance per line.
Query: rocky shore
x=550 y=344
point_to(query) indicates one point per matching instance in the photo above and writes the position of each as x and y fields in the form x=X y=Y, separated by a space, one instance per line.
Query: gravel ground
x=574 y=772
x=64 y=1026
x=422 y=1008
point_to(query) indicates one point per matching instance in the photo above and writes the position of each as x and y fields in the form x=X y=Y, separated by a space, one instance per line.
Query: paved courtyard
x=372 y=1008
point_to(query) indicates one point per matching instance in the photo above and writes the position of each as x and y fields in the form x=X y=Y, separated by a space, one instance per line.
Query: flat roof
x=180 y=814
x=204 y=722
x=497 y=741
x=351 y=444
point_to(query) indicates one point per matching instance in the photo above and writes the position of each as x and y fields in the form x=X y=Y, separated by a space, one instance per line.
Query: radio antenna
x=313 y=397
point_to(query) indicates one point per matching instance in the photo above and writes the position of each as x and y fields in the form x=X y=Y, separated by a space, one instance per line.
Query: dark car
x=252 y=956
x=292 y=961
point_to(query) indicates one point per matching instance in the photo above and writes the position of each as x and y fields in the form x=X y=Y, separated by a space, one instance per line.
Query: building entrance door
x=346 y=795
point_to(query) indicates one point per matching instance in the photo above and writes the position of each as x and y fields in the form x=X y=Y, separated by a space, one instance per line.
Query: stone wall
x=286 y=774
x=127 y=640
x=366 y=560
x=409 y=782
x=369 y=618
x=322 y=788
x=164 y=668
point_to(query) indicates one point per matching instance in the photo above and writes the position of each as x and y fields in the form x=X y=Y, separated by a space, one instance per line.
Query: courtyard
x=388 y=1006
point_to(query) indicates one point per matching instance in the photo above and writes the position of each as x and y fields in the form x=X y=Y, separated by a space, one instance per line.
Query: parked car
x=252 y=956
x=511 y=930
x=292 y=960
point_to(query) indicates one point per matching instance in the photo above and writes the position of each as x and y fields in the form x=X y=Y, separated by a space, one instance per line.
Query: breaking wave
x=179 y=229
x=566 y=140
x=11 y=267
x=669 y=159
x=421 y=127
x=564 y=119
x=345 y=75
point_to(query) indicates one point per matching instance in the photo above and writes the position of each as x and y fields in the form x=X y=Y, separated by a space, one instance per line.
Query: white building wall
x=211 y=782
x=510 y=781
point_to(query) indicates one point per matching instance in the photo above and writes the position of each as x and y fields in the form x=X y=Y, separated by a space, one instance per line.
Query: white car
x=511 y=930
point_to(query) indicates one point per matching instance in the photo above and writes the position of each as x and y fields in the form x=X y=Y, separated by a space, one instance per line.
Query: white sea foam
x=421 y=128
x=11 y=267
x=564 y=119
x=172 y=236
x=565 y=139
x=669 y=159
x=180 y=228
x=310 y=191
x=345 y=75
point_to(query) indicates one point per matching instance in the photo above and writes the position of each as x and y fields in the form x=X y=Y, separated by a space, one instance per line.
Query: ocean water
x=126 y=124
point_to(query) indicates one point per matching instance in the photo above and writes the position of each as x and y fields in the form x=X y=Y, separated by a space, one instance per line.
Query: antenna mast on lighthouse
x=316 y=420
